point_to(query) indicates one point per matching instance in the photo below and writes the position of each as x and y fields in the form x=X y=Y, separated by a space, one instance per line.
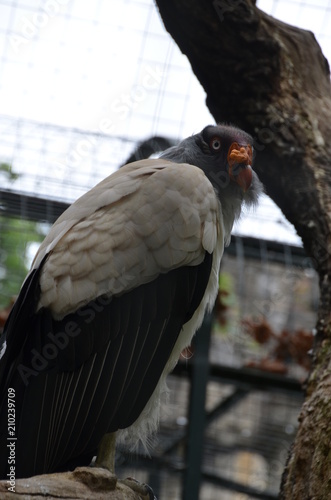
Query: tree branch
x=272 y=80
x=83 y=483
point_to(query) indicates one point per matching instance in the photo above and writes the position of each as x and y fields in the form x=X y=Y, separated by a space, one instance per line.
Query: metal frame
x=198 y=371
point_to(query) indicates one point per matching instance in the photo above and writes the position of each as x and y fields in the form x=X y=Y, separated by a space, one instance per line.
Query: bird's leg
x=106 y=459
x=106 y=452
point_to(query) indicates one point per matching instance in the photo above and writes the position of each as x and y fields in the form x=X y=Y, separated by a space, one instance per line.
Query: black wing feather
x=101 y=365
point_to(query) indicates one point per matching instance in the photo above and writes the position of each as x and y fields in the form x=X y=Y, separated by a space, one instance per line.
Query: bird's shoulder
x=118 y=186
x=145 y=219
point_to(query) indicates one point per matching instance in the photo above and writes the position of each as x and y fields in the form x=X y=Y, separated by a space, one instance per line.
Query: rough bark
x=272 y=80
x=83 y=483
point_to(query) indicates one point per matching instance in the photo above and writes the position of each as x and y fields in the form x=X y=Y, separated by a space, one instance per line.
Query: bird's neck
x=231 y=209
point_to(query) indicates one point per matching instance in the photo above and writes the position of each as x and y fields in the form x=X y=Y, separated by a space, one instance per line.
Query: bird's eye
x=215 y=144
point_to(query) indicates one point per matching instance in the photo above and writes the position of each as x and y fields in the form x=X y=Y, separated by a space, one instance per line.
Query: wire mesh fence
x=82 y=83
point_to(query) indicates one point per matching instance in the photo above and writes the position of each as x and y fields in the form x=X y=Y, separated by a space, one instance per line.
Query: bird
x=116 y=291
x=148 y=147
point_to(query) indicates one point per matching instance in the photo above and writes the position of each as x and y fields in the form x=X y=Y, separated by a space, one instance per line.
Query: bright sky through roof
x=111 y=67
x=87 y=61
x=80 y=61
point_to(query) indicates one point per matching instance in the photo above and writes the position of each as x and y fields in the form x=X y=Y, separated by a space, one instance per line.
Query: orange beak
x=240 y=161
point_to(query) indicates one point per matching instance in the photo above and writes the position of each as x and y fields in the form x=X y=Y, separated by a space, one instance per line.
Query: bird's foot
x=142 y=489
x=106 y=460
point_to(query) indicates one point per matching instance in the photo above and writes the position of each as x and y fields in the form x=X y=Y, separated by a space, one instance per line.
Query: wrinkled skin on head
x=225 y=154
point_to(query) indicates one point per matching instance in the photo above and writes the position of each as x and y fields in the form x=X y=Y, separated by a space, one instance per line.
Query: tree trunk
x=272 y=80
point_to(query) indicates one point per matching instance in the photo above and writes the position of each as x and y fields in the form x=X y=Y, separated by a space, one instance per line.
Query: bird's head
x=226 y=155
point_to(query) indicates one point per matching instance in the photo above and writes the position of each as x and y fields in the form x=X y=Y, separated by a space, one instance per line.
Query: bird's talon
x=143 y=490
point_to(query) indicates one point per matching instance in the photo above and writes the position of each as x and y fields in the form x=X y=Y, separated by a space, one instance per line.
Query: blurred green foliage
x=16 y=235
x=7 y=170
